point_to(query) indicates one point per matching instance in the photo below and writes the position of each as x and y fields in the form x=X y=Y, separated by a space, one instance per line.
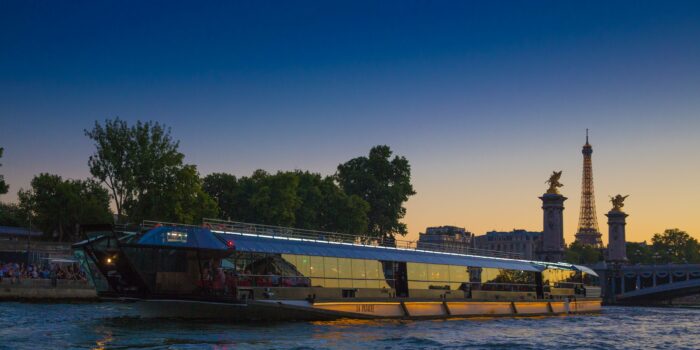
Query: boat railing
x=334 y=237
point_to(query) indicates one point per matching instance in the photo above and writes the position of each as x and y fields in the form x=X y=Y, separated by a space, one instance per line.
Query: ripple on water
x=413 y=341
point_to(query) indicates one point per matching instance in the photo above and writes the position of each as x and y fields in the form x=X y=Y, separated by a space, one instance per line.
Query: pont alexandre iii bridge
x=648 y=284
x=641 y=284
x=621 y=283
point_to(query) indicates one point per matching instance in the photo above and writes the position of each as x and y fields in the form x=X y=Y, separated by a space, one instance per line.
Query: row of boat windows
x=361 y=273
x=315 y=271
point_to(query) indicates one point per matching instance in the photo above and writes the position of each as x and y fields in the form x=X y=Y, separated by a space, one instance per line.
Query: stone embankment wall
x=41 y=289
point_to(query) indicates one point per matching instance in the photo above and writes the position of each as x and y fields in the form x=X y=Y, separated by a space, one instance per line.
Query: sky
x=485 y=99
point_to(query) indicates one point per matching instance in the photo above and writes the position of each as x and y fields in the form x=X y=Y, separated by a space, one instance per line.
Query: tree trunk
x=60 y=232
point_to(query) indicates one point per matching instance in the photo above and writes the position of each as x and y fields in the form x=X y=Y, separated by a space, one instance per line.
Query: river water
x=116 y=326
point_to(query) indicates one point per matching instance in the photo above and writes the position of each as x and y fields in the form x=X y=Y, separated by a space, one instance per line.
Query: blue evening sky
x=484 y=98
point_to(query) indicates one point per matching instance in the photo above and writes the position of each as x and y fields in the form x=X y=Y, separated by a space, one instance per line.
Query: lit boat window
x=176 y=237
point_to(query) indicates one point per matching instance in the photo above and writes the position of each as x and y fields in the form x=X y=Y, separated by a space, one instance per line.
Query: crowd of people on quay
x=15 y=272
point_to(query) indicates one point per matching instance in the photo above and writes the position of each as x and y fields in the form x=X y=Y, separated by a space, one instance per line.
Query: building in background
x=524 y=243
x=446 y=238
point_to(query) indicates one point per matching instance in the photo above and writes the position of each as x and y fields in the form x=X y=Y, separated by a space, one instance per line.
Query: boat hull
x=282 y=310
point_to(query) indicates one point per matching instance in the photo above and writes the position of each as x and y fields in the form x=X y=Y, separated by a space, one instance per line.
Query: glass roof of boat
x=203 y=238
x=284 y=245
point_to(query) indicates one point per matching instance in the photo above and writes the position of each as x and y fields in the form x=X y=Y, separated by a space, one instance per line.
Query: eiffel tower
x=588 y=233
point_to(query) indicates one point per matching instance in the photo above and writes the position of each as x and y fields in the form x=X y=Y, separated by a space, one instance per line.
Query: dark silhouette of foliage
x=4 y=187
x=578 y=253
x=671 y=246
x=58 y=206
x=639 y=253
x=298 y=199
x=12 y=215
x=385 y=184
x=111 y=163
x=179 y=199
x=144 y=171
x=676 y=246
x=224 y=189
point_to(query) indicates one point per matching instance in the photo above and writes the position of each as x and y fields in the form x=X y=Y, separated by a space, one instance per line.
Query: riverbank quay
x=44 y=290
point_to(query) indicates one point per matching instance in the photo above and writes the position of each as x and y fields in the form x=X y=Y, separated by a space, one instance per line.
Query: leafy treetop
x=59 y=206
x=384 y=183
x=294 y=198
x=4 y=187
x=145 y=173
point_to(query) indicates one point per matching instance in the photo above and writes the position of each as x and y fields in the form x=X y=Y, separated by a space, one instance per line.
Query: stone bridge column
x=622 y=283
x=553 y=227
x=617 y=249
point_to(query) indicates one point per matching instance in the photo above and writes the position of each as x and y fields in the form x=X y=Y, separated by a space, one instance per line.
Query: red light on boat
x=230 y=244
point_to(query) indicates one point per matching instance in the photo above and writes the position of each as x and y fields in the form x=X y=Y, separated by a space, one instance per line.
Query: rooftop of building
x=439 y=232
x=516 y=234
x=514 y=231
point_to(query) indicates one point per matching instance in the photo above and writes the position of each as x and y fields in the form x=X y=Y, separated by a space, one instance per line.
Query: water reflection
x=337 y=331
x=101 y=344
x=115 y=326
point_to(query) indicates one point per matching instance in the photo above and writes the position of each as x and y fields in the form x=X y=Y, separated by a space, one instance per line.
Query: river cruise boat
x=243 y=271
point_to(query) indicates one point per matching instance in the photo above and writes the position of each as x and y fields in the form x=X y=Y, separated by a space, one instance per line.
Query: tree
x=578 y=253
x=58 y=206
x=639 y=253
x=4 y=187
x=341 y=212
x=383 y=183
x=300 y=199
x=112 y=163
x=325 y=206
x=223 y=188
x=675 y=246
x=308 y=215
x=671 y=246
x=12 y=215
x=180 y=199
x=275 y=202
x=144 y=171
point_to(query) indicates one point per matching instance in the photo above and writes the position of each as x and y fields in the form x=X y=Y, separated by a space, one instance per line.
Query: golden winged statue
x=554 y=182
x=618 y=202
